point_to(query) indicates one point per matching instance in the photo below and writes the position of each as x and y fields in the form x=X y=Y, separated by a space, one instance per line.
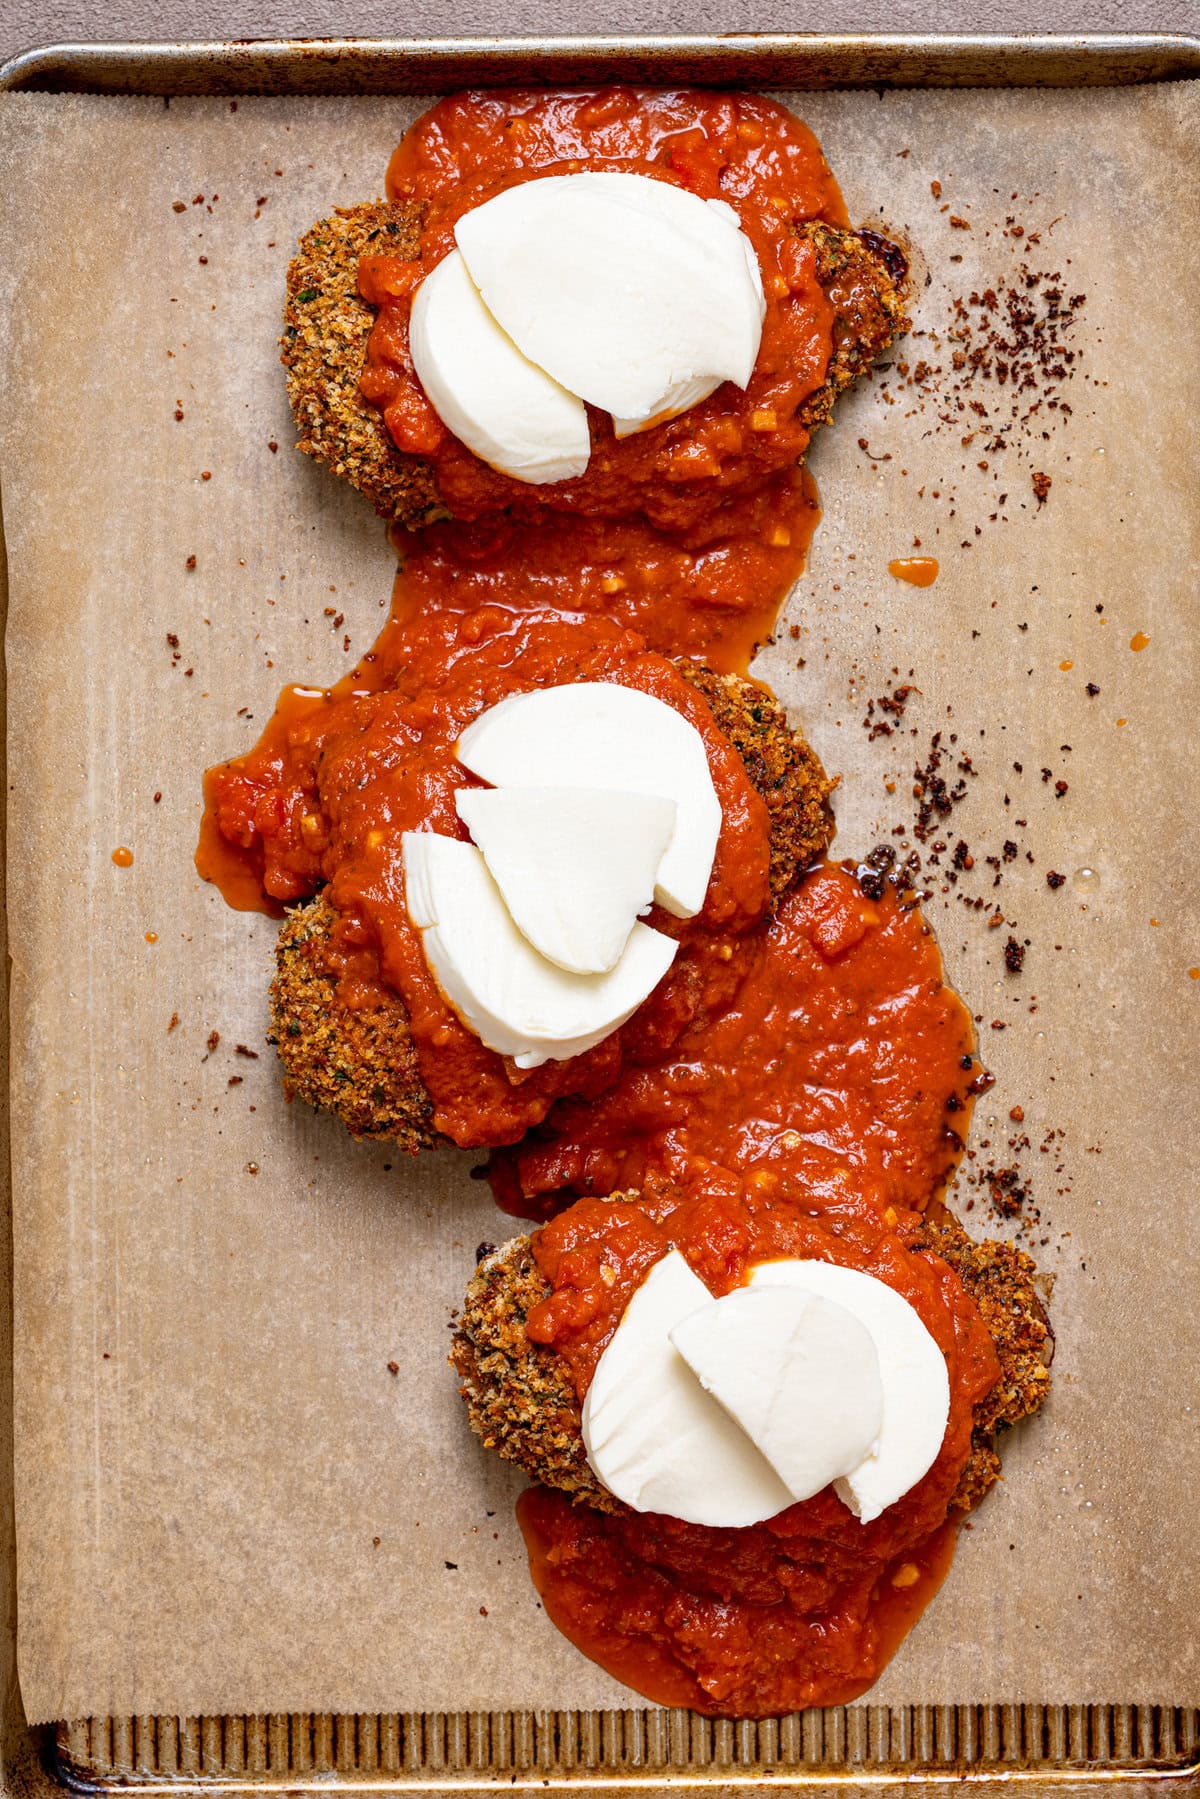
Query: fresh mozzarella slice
x=596 y=734
x=625 y=289
x=654 y=1436
x=675 y=400
x=508 y=411
x=575 y=867
x=916 y=1384
x=513 y=999
x=799 y=1374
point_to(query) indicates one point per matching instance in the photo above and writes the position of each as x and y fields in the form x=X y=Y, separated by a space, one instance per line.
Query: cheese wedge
x=633 y=293
x=915 y=1380
x=575 y=867
x=514 y=1000
x=598 y=735
x=800 y=1375
x=507 y=410
x=653 y=1435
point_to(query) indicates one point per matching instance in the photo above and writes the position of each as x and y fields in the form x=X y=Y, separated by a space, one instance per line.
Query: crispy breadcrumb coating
x=357 y=1062
x=360 y=1064
x=521 y=1400
x=864 y=275
x=1000 y=1278
x=327 y=324
x=783 y=768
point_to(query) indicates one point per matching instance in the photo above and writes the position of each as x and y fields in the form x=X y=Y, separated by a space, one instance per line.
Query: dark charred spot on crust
x=886 y=251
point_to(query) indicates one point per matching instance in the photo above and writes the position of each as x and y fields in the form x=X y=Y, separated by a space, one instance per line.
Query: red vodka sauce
x=339 y=776
x=614 y=1593
x=843 y=1066
x=711 y=592
x=801 y=1610
x=741 y=149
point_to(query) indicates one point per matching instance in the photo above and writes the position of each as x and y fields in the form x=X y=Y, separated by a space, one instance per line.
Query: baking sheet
x=210 y=1285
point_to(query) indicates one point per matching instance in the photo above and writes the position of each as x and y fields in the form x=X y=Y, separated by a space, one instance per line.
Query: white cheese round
x=506 y=409
x=653 y=1435
x=515 y=1001
x=576 y=867
x=599 y=735
x=915 y=1379
x=800 y=1375
x=635 y=294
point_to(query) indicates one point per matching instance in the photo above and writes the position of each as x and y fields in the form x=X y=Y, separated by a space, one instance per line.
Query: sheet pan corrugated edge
x=634 y=1752
x=397 y=65
x=1071 y=1748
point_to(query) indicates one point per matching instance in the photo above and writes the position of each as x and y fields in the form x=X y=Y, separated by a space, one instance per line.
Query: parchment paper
x=225 y=1500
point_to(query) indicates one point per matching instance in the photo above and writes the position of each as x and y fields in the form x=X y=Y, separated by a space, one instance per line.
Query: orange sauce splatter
x=1122 y=721
x=1194 y=974
x=1066 y=665
x=1138 y=641
x=151 y=936
x=918 y=571
x=123 y=857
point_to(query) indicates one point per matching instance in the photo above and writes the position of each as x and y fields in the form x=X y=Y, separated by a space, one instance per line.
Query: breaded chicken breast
x=327 y=324
x=360 y=1064
x=522 y=1402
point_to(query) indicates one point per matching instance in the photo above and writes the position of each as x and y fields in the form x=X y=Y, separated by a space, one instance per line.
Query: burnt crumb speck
x=885 y=713
x=1014 y=956
x=1054 y=880
x=482 y=1251
x=936 y=792
x=1041 y=486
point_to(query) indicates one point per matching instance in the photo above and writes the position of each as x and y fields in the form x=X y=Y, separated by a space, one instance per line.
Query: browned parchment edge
x=1070 y=1748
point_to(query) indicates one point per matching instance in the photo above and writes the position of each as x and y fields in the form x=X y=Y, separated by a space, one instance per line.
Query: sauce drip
x=796 y=1080
x=918 y=571
x=122 y=858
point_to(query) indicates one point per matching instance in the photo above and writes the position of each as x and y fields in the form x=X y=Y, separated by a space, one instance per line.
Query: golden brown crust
x=326 y=324
x=1000 y=1278
x=782 y=767
x=360 y=1064
x=868 y=300
x=521 y=1401
x=356 y=1062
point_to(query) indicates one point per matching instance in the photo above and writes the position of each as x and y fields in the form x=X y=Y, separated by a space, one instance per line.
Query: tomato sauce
x=798 y=1084
x=843 y=1068
x=740 y=149
x=801 y=1610
x=340 y=774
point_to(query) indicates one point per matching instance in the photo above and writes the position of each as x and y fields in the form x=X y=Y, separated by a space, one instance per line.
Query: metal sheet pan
x=1069 y=1747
